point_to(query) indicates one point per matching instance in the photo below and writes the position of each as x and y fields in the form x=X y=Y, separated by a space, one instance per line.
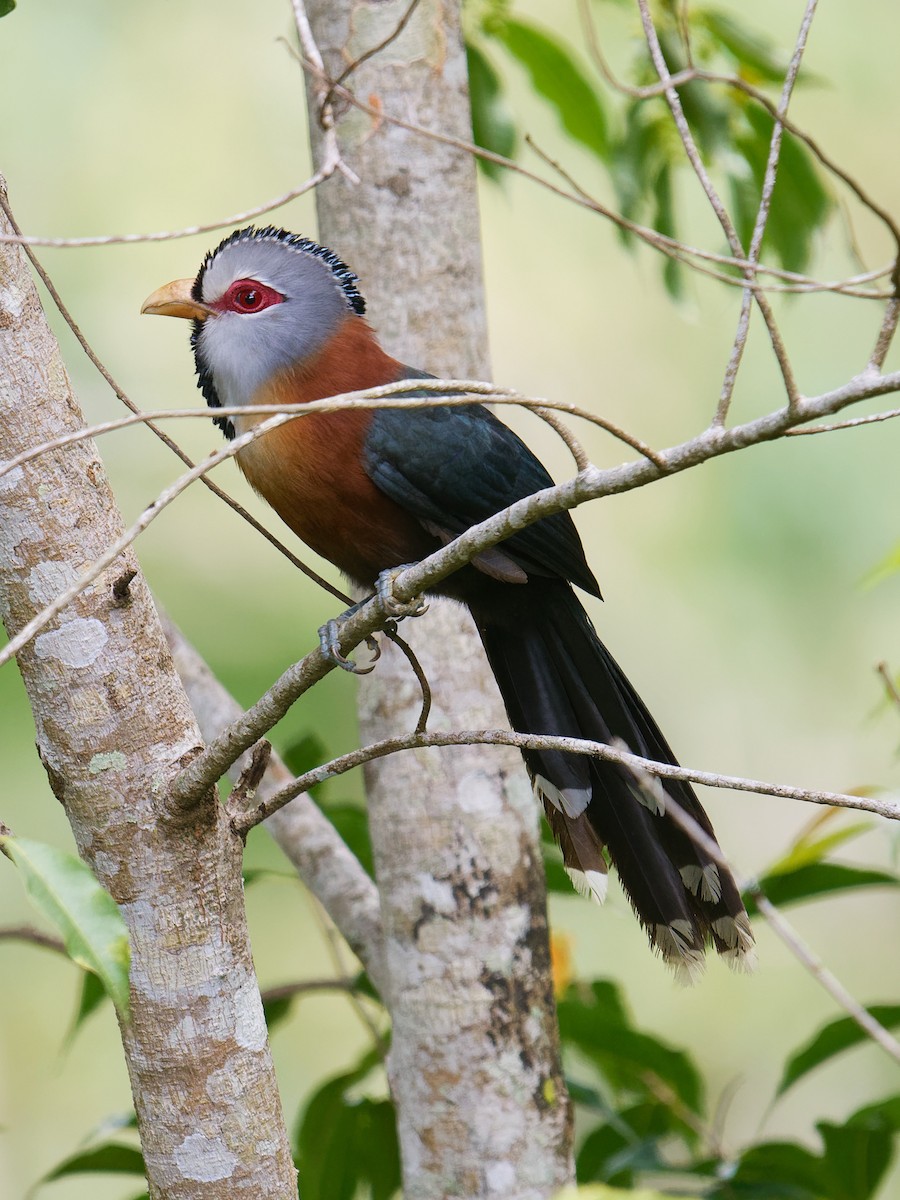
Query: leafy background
x=734 y=596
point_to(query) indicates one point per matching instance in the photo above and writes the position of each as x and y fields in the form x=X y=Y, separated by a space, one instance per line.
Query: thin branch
x=392 y=395
x=814 y=965
x=331 y=154
x=889 y=685
x=666 y=245
x=885 y=335
x=417 y=669
x=121 y=395
x=587 y=485
x=873 y=419
x=27 y=933
x=687 y=139
x=373 y=50
x=306 y=987
x=242 y=824
x=788 y=935
x=762 y=215
x=171 y=235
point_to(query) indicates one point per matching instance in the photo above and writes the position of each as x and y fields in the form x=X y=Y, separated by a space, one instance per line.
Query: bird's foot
x=330 y=641
x=395 y=608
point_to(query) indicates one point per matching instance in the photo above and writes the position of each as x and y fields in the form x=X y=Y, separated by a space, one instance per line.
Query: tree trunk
x=114 y=728
x=474 y=1065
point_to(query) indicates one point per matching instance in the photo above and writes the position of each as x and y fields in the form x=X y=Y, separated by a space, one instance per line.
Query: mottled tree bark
x=113 y=730
x=474 y=1064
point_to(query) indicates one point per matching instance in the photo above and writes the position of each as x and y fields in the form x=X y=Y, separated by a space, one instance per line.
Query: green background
x=734 y=594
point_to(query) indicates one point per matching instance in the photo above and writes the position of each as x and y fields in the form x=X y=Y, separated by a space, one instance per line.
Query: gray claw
x=398 y=609
x=330 y=641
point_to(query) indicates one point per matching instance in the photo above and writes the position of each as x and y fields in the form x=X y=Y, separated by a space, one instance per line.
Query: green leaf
x=856 y=1157
x=703 y=108
x=664 y=222
x=112 y=1158
x=6 y=7
x=601 y=1031
x=800 y=202
x=307 y=752
x=811 y=849
x=888 y=566
x=884 y=1112
x=352 y=824
x=818 y=879
x=832 y=1039
x=746 y=46
x=344 y=1142
x=629 y=1143
x=66 y=892
x=558 y=78
x=92 y=995
x=777 y=1171
x=276 y=1011
x=492 y=124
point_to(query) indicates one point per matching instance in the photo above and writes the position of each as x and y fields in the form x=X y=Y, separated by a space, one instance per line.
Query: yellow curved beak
x=175 y=300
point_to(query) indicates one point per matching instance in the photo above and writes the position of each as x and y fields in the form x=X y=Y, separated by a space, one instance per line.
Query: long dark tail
x=556 y=677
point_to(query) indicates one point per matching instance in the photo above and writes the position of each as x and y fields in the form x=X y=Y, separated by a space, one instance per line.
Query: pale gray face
x=305 y=295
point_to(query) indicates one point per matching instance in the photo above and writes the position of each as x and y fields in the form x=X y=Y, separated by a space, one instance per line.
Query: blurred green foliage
x=635 y=140
x=643 y=1112
x=641 y=1097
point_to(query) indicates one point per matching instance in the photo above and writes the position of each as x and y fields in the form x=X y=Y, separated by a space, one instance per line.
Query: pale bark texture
x=113 y=730
x=323 y=861
x=474 y=1065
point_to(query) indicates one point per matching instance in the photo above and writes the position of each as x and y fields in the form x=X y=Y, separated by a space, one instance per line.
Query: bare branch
x=163 y=437
x=27 y=933
x=889 y=685
x=788 y=935
x=687 y=139
x=171 y=235
x=889 y=809
x=762 y=216
x=666 y=245
x=801 y=951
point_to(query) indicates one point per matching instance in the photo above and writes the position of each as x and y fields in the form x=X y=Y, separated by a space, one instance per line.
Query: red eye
x=249 y=296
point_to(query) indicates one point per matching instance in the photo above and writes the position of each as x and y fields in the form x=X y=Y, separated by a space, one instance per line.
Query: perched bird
x=278 y=319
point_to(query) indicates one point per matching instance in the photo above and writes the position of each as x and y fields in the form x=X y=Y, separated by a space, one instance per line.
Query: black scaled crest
x=346 y=279
x=270 y=233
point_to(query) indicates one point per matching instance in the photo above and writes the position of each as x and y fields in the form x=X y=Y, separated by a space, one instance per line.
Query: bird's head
x=262 y=301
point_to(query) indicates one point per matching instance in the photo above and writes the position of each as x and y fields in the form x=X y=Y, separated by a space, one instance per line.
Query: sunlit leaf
x=492 y=124
x=809 y=848
x=750 y=49
x=558 y=78
x=66 y=892
x=832 y=1039
x=819 y=879
x=888 y=567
